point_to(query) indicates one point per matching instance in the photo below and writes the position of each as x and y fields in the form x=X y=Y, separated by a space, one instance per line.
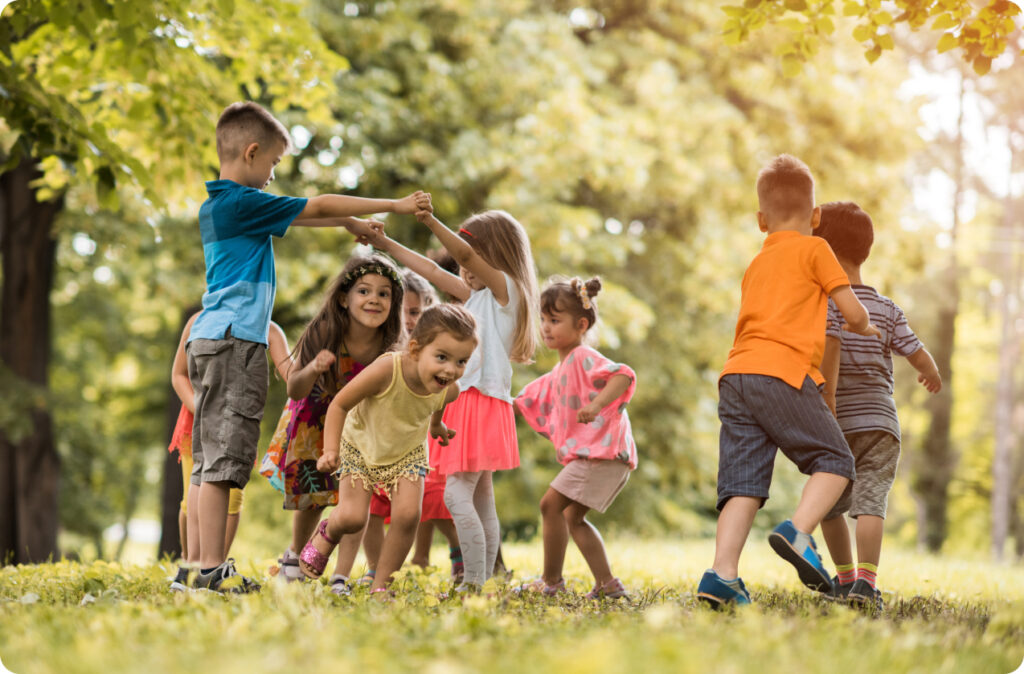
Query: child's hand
x=323 y=361
x=417 y=201
x=364 y=229
x=442 y=433
x=870 y=331
x=588 y=413
x=931 y=381
x=328 y=462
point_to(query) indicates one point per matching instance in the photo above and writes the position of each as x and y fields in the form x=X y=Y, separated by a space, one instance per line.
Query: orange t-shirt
x=781 y=327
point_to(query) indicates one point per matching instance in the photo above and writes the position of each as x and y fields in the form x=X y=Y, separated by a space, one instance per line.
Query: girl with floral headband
x=360 y=319
x=580 y=406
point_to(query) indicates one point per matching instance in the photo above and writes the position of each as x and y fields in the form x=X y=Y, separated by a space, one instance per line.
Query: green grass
x=942 y=615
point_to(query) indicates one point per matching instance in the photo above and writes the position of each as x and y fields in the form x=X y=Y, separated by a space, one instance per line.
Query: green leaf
x=825 y=25
x=944 y=21
x=863 y=33
x=791 y=65
x=853 y=9
x=885 y=41
x=882 y=18
x=734 y=10
x=872 y=54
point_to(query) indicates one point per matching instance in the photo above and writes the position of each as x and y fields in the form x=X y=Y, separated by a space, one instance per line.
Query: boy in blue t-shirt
x=858 y=388
x=226 y=359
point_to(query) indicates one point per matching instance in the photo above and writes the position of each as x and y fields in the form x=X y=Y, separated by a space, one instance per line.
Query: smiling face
x=368 y=301
x=561 y=331
x=442 y=361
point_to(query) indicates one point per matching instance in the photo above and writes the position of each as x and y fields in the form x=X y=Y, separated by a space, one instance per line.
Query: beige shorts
x=590 y=482
x=876 y=454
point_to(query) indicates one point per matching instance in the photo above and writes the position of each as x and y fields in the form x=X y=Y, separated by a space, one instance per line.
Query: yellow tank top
x=389 y=425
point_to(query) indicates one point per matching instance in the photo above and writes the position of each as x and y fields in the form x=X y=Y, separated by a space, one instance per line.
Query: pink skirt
x=485 y=436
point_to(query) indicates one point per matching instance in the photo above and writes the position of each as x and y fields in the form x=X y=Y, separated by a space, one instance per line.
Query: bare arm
x=928 y=371
x=449 y=283
x=371 y=381
x=301 y=380
x=437 y=428
x=180 y=380
x=830 y=371
x=857 y=318
x=340 y=206
x=278 y=348
x=616 y=386
x=359 y=227
x=467 y=257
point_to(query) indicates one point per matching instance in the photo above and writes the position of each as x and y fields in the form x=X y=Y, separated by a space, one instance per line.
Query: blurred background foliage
x=622 y=134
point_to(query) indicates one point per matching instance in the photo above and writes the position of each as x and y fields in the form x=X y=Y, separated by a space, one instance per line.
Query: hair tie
x=584 y=296
x=467 y=233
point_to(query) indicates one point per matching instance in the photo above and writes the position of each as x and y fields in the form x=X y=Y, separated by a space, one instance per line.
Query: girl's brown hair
x=453 y=319
x=414 y=283
x=329 y=326
x=562 y=294
x=501 y=241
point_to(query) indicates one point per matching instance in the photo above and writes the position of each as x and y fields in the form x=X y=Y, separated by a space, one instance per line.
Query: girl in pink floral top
x=581 y=407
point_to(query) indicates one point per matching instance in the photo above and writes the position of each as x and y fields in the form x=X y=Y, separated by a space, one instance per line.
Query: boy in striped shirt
x=858 y=389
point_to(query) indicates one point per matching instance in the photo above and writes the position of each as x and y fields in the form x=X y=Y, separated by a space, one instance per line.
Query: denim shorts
x=229 y=377
x=761 y=415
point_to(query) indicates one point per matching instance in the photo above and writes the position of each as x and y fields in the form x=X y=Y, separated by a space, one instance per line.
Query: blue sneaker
x=718 y=593
x=807 y=561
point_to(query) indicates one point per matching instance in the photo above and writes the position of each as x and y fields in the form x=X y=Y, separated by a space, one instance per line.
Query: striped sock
x=847 y=573
x=867 y=573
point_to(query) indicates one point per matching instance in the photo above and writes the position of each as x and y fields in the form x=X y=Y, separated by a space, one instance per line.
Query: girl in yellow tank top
x=376 y=430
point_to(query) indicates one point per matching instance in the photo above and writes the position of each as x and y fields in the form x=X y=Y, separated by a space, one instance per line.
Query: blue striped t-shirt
x=236 y=223
x=864 y=391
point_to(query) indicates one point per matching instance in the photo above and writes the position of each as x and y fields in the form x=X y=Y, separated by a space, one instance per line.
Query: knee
x=406 y=521
x=549 y=506
x=574 y=518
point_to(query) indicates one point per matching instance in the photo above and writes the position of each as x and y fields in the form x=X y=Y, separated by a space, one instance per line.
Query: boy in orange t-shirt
x=770 y=388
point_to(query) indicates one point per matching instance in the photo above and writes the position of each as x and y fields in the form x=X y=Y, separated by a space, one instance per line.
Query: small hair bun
x=593 y=286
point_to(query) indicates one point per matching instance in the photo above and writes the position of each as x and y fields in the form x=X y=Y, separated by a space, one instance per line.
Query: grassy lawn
x=942 y=615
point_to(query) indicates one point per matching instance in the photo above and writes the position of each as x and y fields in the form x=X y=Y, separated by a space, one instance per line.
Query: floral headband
x=370 y=268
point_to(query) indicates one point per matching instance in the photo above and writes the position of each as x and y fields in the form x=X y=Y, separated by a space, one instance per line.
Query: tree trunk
x=937 y=458
x=29 y=464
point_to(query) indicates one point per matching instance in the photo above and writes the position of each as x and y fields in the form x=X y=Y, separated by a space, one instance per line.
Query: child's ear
x=583 y=323
x=250 y=152
x=762 y=222
x=815 y=218
x=414 y=348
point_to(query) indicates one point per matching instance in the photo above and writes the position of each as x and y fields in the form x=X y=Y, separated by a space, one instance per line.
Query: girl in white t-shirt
x=498 y=284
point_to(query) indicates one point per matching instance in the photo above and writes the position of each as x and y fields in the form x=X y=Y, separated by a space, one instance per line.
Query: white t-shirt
x=489 y=369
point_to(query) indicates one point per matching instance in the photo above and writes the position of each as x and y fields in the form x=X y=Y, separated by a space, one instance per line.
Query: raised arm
x=449 y=283
x=180 y=380
x=371 y=381
x=359 y=227
x=301 y=380
x=467 y=257
x=278 y=349
x=858 y=320
x=830 y=371
x=341 y=206
x=928 y=371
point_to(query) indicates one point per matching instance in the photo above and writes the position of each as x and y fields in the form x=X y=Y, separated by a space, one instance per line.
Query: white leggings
x=470 y=499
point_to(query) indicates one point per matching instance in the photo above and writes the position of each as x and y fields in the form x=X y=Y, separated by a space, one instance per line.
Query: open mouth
x=442 y=381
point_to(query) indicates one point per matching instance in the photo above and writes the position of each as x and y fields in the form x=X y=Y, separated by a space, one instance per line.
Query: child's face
x=471 y=280
x=443 y=361
x=368 y=302
x=561 y=330
x=412 y=307
x=260 y=163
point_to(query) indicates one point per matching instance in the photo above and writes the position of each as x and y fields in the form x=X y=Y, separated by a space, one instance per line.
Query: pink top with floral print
x=549 y=404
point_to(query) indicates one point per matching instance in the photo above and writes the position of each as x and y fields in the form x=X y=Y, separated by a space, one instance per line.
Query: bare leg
x=820 y=493
x=837 y=538
x=230 y=531
x=590 y=543
x=183 y=533
x=373 y=540
x=869 y=538
x=555 y=532
x=406 y=499
x=424 y=539
x=348 y=548
x=213 y=520
x=192 y=526
x=447 y=529
x=349 y=517
x=303 y=524
x=734 y=524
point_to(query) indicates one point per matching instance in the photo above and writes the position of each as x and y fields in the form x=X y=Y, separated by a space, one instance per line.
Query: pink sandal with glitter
x=312 y=562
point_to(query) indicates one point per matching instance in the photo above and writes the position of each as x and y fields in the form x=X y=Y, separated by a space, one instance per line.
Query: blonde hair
x=501 y=241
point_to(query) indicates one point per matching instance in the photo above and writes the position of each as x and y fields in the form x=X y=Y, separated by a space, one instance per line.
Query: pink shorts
x=485 y=436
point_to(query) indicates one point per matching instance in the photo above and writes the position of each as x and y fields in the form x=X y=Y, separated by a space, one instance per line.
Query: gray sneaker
x=225 y=578
x=180 y=582
x=838 y=591
x=862 y=594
